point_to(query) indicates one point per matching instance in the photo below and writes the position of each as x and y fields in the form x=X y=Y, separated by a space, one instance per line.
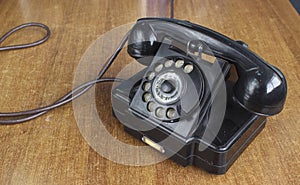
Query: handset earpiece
x=142 y=42
x=261 y=88
x=261 y=91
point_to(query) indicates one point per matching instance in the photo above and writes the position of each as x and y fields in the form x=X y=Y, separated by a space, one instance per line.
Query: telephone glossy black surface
x=197 y=111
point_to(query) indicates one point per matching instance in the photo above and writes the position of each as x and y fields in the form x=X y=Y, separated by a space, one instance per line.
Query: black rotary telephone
x=197 y=112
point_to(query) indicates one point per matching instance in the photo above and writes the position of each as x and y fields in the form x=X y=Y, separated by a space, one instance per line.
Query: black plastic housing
x=254 y=89
x=238 y=130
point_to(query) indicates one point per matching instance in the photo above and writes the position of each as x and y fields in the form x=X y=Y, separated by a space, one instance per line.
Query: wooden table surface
x=51 y=150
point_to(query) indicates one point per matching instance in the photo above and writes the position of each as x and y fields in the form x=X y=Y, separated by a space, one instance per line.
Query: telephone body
x=195 y=111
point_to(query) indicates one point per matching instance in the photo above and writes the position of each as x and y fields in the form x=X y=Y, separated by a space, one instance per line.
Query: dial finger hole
x=159 y=112
x=146 y=97
x=188 y=68
x=147 y=86
x=151 y=75
x=171 y=113
x=169 y=63
x=158 y=67
x=151 y=106
x=179 y=63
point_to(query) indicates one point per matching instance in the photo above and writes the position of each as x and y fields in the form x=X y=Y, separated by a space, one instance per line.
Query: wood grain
x=51 y=150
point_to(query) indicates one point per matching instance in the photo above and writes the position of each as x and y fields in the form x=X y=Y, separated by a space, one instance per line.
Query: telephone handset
x=261 y=88
x=190 y=109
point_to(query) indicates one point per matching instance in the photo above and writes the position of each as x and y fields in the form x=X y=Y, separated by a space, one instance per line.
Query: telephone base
x=237 y=131
x=218 y=159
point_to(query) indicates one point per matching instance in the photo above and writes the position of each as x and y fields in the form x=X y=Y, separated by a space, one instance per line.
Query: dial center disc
x=167 y=87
